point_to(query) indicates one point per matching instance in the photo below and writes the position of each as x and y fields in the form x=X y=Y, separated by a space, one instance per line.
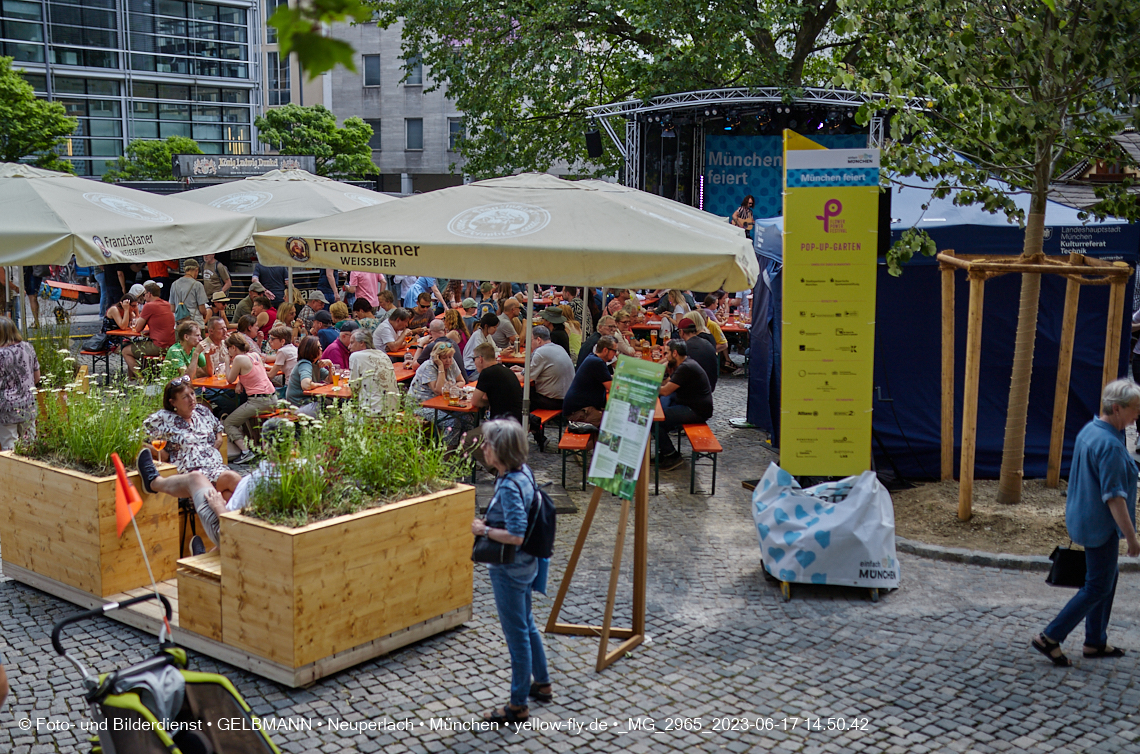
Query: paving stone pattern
x=941 y=665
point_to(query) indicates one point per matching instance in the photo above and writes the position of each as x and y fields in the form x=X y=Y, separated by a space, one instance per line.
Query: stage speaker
x=594 y=144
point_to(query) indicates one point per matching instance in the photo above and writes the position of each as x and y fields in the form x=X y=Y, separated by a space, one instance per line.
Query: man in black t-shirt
x=586 y=399
x=275 y=280
x=700 y=351
x=498 y=387
x=686 y=398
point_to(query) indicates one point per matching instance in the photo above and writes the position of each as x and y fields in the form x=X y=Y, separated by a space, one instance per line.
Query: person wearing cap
x=556 y=322
x=366 y=285
x=159 y=317
x=315 y=302
x=218 y=301
x=215 y=277
x=189 y=291
x=470 y=308
x=322 y=327
x=245 y=306
x=700 y=350
x=338 y=351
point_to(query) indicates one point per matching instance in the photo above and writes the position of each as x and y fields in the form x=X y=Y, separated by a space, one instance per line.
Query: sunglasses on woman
x=183 y=380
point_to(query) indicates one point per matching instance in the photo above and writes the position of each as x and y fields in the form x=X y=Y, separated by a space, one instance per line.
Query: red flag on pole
x=127 y=499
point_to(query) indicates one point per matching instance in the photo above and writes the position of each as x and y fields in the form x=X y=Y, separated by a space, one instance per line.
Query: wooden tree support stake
x=1079 y=270
x=635 y=635
x=947 y=372
x=1064 y=372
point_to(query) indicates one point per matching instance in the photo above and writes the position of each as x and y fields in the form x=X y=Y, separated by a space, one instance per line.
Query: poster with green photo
x=626 y=425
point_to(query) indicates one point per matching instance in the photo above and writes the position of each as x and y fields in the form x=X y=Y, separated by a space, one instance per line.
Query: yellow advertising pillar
x=831 y=212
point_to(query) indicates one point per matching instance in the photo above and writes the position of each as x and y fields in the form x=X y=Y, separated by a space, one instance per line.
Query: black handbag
x=1068 y=568
x=487 y=550
x=97 y=342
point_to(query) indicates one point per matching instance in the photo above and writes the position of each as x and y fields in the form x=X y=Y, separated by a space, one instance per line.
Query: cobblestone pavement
x=943 y=664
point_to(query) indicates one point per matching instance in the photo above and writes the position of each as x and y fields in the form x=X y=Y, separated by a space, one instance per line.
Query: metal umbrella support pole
x=526 y=355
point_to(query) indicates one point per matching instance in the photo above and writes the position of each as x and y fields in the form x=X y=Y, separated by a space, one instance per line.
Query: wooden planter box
x=332 y=594
x=60 y=524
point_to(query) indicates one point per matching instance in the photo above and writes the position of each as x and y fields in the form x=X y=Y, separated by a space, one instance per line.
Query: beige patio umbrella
x=46 y=217
x=531 y=227
x=528 y=227
x=284 y=197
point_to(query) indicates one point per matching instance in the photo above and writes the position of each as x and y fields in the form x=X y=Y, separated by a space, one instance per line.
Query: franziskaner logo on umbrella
x=242 y=201
x=128 y=207
x=507 y=220
x=367 y=201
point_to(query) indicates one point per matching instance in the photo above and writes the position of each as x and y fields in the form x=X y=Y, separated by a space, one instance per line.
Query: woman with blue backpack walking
x=506 y=523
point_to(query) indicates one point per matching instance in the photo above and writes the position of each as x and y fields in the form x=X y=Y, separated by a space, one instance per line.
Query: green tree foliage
x=523 y=73
x=1018 y=89
x=29 y=126
x=299 y=30
x=150 y=160
x=1021 y=89
x=341 y=152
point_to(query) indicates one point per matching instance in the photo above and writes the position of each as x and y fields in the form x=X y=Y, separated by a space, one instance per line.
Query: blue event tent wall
x=907 y=403
x=908 y=370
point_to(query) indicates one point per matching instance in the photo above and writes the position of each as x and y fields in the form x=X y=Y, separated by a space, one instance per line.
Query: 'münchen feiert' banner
x=831 y=209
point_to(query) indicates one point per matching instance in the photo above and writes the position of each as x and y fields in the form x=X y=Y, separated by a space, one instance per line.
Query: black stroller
x=159 y=707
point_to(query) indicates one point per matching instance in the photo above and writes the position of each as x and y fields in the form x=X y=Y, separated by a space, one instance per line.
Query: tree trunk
x=1013 y=450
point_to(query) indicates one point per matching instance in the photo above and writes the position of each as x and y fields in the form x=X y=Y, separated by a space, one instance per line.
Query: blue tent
x=907 y=407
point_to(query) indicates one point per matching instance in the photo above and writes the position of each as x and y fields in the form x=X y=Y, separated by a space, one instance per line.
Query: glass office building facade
x=140 y=69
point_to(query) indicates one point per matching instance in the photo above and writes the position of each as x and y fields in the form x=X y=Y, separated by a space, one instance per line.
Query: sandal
x=539 y=695
x=1047 y=647
x=1104 y=651
x=505 y=714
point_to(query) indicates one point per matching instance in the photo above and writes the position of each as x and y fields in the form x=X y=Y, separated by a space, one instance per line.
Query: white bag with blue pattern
x=833 y=533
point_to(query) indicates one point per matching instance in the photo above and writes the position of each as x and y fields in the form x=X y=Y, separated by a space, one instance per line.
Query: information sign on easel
x=621 y=466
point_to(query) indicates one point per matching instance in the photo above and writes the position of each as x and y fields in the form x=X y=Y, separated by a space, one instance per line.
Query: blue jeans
x=1093 y=602
x=676 y=415
x=105 y=296
x=512 y=585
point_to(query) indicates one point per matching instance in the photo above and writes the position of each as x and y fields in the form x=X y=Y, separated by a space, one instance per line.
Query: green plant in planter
x=82 y=430
x=348 y=461
x=52 y=343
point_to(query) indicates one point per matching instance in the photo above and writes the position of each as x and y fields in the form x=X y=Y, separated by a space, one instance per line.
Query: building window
x=374 y=141
x=271 y=8
x=372 y=70
x=277 y=71
x=415 y=133
x=415 y=70
x=454 y=133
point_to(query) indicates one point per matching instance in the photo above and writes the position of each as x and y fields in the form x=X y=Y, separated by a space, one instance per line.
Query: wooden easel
x=632 y=636
x=1078 y=270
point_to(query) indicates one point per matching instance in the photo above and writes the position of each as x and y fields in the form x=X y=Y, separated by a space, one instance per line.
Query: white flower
x=65 y=351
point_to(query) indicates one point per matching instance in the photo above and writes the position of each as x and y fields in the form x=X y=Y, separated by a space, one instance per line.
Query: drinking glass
x=158 y=443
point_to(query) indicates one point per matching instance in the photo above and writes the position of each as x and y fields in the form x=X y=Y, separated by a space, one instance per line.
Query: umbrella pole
x=290 y=287
x=20 y=300
x=526 y=355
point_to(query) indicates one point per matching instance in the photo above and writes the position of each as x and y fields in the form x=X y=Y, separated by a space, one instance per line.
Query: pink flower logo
x=831 y=208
